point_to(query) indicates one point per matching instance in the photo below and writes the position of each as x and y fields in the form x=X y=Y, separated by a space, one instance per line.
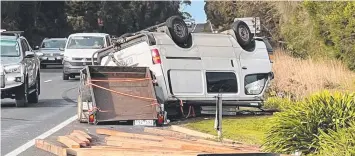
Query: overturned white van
x=191 y=69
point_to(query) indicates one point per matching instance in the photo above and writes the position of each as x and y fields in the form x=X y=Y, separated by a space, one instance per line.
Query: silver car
x=19 y=70
x=51 y=51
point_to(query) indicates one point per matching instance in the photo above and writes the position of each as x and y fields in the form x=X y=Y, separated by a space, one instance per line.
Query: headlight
x=13 y=68
x=39 y=54
x=254 y=84
x=67 y=58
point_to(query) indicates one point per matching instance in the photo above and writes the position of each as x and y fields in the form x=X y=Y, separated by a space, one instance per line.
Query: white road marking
x=30 y=143
x=48 y=81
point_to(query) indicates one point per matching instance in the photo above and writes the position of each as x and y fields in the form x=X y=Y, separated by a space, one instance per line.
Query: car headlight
x=13 y=68
x=39 y=54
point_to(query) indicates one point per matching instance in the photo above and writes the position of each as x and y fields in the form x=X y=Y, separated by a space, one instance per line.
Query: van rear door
x=255 y=69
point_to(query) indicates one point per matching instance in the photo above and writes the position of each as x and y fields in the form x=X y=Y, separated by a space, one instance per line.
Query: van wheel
x=178 y=29
x=242 y=33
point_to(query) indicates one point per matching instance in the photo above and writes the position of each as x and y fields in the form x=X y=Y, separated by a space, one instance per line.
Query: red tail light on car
x=156 y=56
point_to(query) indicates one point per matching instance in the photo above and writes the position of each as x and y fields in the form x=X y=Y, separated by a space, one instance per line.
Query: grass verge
x=304 y=77
x=249 y=130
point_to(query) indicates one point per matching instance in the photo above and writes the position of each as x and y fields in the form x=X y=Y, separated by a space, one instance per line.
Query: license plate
x=144 y=122
x=51 y=58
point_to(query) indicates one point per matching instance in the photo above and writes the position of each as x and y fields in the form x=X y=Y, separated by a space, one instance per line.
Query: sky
x=197 y=10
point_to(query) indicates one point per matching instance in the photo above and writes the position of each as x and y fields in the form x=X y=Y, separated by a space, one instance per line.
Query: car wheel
x=21 y=95
x=177 y=29
x=65 y=76
x=242 y=33
x=33 y=97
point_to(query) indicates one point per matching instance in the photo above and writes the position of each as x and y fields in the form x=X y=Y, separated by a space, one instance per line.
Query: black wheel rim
x=180 y=29
x=243 y=33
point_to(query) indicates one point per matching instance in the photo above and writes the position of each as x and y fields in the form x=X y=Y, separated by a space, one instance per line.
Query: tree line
x=40 y=19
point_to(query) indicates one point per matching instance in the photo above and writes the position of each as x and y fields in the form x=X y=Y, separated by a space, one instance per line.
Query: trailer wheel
x=177 y=29
x=80 y=112
x=242 y=33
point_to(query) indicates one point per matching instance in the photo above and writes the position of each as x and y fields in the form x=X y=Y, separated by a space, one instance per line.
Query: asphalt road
x=57 y=103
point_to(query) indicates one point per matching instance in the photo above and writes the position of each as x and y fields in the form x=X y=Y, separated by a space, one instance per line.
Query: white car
x=193 y=68
x=78 y=51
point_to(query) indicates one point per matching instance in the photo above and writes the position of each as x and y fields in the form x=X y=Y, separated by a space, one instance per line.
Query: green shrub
x=298 y=126
x=277 y=103
x=340 y=142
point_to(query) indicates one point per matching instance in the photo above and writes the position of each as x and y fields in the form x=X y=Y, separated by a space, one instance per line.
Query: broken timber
x=152 y=142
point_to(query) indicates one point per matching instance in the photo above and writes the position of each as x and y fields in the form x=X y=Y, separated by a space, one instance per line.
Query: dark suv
x=19 y=70
x=51 y=51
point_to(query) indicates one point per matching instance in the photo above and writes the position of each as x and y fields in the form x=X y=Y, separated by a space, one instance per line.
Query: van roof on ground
x=89 y=34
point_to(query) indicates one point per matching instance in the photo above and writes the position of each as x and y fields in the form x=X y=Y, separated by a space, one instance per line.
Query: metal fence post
x=218 y=120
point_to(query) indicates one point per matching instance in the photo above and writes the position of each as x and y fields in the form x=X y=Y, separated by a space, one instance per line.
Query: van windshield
x=85 y=42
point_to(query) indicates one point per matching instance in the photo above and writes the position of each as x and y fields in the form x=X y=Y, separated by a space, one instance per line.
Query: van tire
x=177 y=29
x=242 y=33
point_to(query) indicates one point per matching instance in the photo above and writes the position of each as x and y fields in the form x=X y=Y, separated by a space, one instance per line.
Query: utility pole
x=218 y=120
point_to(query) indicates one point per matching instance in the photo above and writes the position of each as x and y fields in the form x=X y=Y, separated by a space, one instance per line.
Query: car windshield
x=9 y=48
x=53 y=44
x=85 y=42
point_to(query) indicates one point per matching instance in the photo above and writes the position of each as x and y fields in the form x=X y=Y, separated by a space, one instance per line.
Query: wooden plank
x=179 y=145
x=166 y=133
x=81 y=137
x=128 y=145
x=125 y=152
x=128 y=135
x=68 y=142
x=82 y=143
x=51 y=147
x=86 y=135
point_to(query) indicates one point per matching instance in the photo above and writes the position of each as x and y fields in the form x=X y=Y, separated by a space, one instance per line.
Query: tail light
x=156 y=56
x=91 y=118
x=160 y=120
x=271 y=57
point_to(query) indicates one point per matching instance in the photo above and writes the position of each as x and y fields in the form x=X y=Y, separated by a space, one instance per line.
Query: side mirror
x=29 y=54
x=61 y=49
x=36 y=48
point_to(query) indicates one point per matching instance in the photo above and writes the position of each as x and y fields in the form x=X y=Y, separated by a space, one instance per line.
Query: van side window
x=221 y=82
